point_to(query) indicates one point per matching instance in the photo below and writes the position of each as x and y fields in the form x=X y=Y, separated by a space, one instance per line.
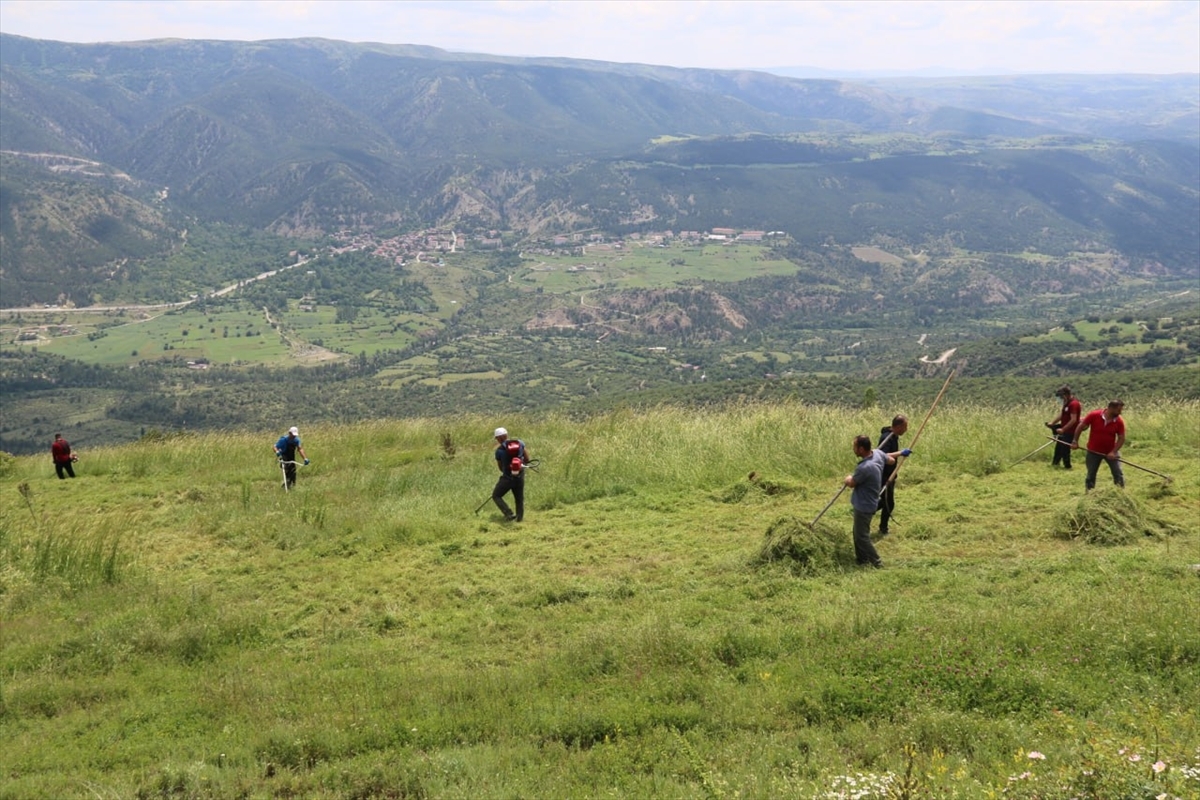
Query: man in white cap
x=511 y=458
x=286 y=449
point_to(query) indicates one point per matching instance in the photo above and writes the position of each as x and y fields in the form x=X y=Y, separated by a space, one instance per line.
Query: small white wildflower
x=1037 y=756
x=1159 y=766
x=1135 y=758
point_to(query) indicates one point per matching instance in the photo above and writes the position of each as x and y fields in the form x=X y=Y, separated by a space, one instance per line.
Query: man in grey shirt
x=867 y=483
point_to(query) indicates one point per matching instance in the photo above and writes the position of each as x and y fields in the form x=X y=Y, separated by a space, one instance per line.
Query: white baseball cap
x=500 y=432
x=294 y=431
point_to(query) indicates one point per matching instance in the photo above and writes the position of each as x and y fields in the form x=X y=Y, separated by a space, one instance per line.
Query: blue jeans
x=1094 y=460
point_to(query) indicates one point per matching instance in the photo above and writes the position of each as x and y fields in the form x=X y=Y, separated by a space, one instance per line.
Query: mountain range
x=111 y=151
x=1033 y=226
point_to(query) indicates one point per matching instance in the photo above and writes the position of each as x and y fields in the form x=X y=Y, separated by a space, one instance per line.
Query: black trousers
x=1062 y=449
x=887 y=502
x=516 y=485
x=64 y=466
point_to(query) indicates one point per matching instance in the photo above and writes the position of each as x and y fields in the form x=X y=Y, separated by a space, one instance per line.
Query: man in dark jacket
x=511 y=458
x=889 y=443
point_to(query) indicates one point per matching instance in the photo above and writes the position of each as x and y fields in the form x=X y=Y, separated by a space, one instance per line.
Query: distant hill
x=1108 y=106
x=310 y=136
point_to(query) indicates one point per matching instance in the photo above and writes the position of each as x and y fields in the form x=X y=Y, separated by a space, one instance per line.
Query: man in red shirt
x=1104 y=443
x=60 y=450
x=1064 y=426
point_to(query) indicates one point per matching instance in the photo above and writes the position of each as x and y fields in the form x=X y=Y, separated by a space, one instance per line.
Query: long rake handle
x=827 y=505
x=892 y=478
x=885 y=440
x=1144 y=469
x=1135 y=466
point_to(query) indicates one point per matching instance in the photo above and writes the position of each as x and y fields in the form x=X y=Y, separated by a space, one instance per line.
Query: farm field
x=642 y=266
x=176 y=624
x=240 y=335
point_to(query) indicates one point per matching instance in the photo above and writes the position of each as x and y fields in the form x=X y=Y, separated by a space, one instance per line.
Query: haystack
x=1107 y=516
x=808 y=550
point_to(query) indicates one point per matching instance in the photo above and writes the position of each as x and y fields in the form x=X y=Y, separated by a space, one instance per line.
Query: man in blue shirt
x=286 y=449
x=867 y=483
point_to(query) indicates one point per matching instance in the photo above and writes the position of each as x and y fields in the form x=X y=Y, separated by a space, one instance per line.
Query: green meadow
x=233 y=335
x=647 y=266
x=666 y=622
x=371 y=330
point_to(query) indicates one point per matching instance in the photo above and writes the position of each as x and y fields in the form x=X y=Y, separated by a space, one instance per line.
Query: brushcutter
x=532 y=464
x=283 y=468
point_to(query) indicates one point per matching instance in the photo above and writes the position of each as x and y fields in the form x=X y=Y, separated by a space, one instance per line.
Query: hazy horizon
x=859 y=39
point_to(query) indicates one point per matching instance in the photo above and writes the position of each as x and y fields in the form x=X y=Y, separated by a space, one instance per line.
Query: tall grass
x=175 y=624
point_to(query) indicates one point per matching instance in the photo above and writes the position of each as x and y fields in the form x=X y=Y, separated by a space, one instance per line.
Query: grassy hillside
x=176 y=625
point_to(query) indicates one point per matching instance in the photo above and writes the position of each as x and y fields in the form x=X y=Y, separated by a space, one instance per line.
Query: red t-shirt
x=61 y=451
x=1104 y=433
x=1070 y=409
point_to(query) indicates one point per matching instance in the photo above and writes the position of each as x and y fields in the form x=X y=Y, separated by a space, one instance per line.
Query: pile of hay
x=756 y=485
x=809 y=551
x=1109 y=516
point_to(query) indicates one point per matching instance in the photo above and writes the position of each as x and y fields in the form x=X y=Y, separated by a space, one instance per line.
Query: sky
x=849 y=37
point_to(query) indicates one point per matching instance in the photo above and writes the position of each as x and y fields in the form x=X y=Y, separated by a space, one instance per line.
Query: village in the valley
x=420 y=244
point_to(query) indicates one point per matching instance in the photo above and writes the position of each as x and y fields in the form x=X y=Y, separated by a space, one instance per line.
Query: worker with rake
x=867 y=483
x=1104 y=442
x=889 y=442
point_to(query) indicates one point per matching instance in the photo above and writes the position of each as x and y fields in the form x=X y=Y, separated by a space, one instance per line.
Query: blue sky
x=965 y=37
